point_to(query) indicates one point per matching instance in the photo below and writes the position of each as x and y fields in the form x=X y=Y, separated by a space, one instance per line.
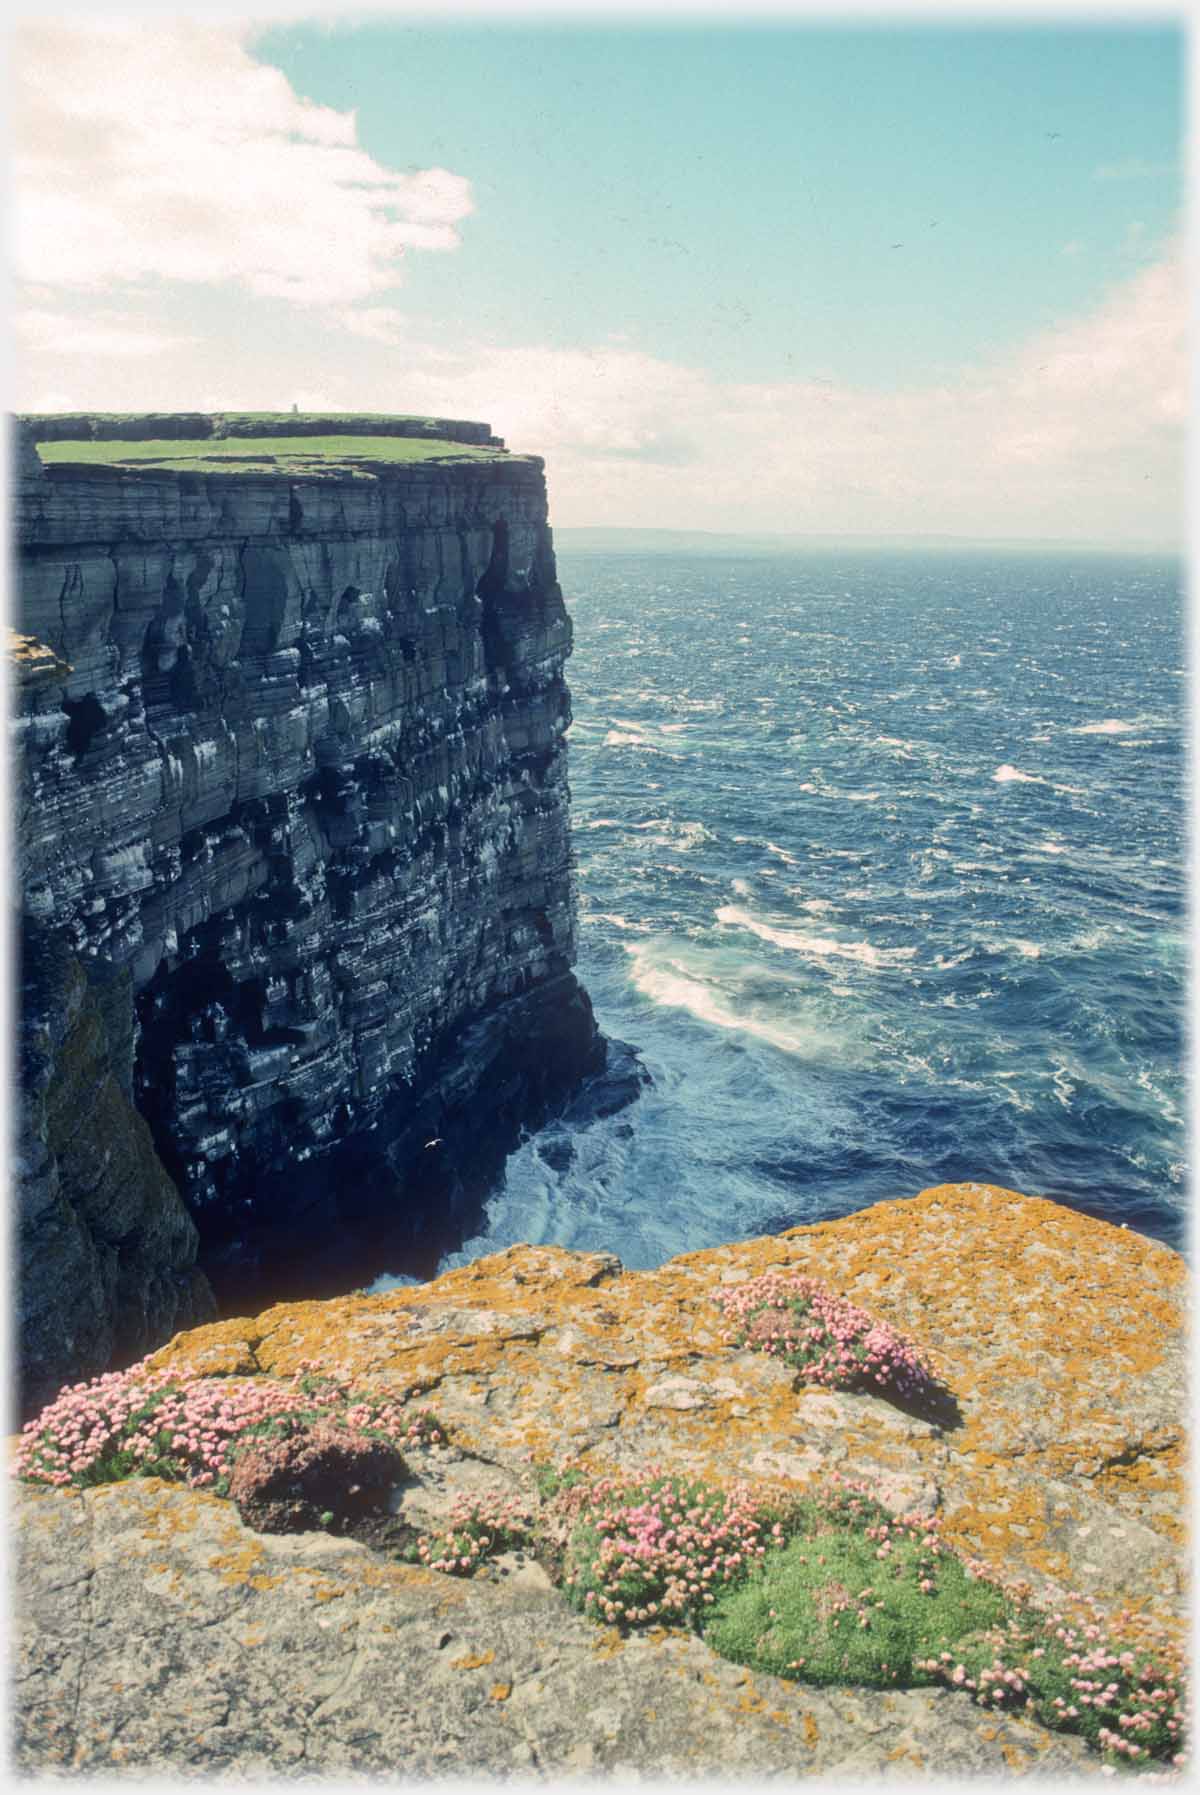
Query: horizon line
x=1140 y=545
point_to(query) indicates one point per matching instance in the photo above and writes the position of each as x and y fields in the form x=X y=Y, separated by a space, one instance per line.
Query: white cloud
x=171 y=154
x=59 y=333
x=377 y=323
x=1078 y=435
x=1112 y=380
x=46 y=401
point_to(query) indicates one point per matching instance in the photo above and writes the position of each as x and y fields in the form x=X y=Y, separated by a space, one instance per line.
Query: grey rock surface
x=158 y=1634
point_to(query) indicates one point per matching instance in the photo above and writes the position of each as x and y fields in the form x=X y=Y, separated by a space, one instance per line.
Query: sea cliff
x=294 y=861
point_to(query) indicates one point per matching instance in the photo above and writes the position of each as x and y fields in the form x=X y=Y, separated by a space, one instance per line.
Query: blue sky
x=730 y=197
x=874 y=276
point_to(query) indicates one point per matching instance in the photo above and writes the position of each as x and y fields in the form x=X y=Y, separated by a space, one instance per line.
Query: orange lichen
x=473 y=1660
x=1047 y=1325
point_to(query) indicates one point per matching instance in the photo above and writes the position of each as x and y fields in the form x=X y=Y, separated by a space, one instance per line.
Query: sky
x=879 y=276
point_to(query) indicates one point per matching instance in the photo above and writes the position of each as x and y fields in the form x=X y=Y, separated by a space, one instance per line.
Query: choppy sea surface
x=881 y=867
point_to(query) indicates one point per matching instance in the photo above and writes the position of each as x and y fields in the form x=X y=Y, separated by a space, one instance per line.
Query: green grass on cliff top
x=264 y=454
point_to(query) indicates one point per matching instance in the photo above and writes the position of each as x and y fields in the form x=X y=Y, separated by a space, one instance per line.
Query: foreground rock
x=159 y=1632
x=172 y=1638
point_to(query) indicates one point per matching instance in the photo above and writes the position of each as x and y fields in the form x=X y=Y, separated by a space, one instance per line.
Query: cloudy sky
x=899 y=277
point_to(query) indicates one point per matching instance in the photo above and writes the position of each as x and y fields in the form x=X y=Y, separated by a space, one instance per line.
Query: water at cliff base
x=881 y=867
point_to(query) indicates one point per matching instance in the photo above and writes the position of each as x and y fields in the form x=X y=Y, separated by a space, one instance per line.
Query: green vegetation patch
x=831 y=1588
x=856 y=1596
x=262 y=454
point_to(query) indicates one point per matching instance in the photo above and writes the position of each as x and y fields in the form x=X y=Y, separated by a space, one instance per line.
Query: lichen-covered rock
x=322 y=1474
x=1061 y=1337
x=290 y=758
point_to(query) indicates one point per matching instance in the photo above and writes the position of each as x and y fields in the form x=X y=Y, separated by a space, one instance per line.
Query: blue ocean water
x=881 y=866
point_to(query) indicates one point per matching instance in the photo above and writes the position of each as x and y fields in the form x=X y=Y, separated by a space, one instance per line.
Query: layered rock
x=1061 y=1339
x=291 y=764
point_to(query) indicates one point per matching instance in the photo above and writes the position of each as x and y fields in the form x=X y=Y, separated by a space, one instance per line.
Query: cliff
x=294 y=860
x=160 y=1631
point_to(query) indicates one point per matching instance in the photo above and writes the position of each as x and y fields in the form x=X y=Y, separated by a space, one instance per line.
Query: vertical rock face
x=107 y=1251
x=292 y=776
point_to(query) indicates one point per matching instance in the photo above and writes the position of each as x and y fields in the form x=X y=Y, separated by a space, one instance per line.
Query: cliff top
x=248 y=454
x=252 y=441
x=177 y=426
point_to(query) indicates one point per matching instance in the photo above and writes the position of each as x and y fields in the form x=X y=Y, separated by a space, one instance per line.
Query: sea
x=880 y=860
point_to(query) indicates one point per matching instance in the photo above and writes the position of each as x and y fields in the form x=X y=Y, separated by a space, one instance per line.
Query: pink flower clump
x=186 y=1427
x=1073 y=1675
x=822 y=1335
x=479 y=1527
x=657 y=1548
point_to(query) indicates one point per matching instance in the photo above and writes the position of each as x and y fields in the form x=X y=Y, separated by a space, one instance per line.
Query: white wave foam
x=668 y=985
x=1110 y=726
x=1166 y=1108
x=955 y=660
x=1014 y=1097
x=390 y=1280
x=1064 y=1089
x=944 y=962
x=1029 y=950
x=742 y=887
x=1092 y=939
x=820 y=946
x=1007 y=775
x=788 y=859
x=817 y=905
x=860 y=797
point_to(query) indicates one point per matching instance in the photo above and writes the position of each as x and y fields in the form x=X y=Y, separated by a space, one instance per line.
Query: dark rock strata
x=105 y=1249
x=292 y=783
